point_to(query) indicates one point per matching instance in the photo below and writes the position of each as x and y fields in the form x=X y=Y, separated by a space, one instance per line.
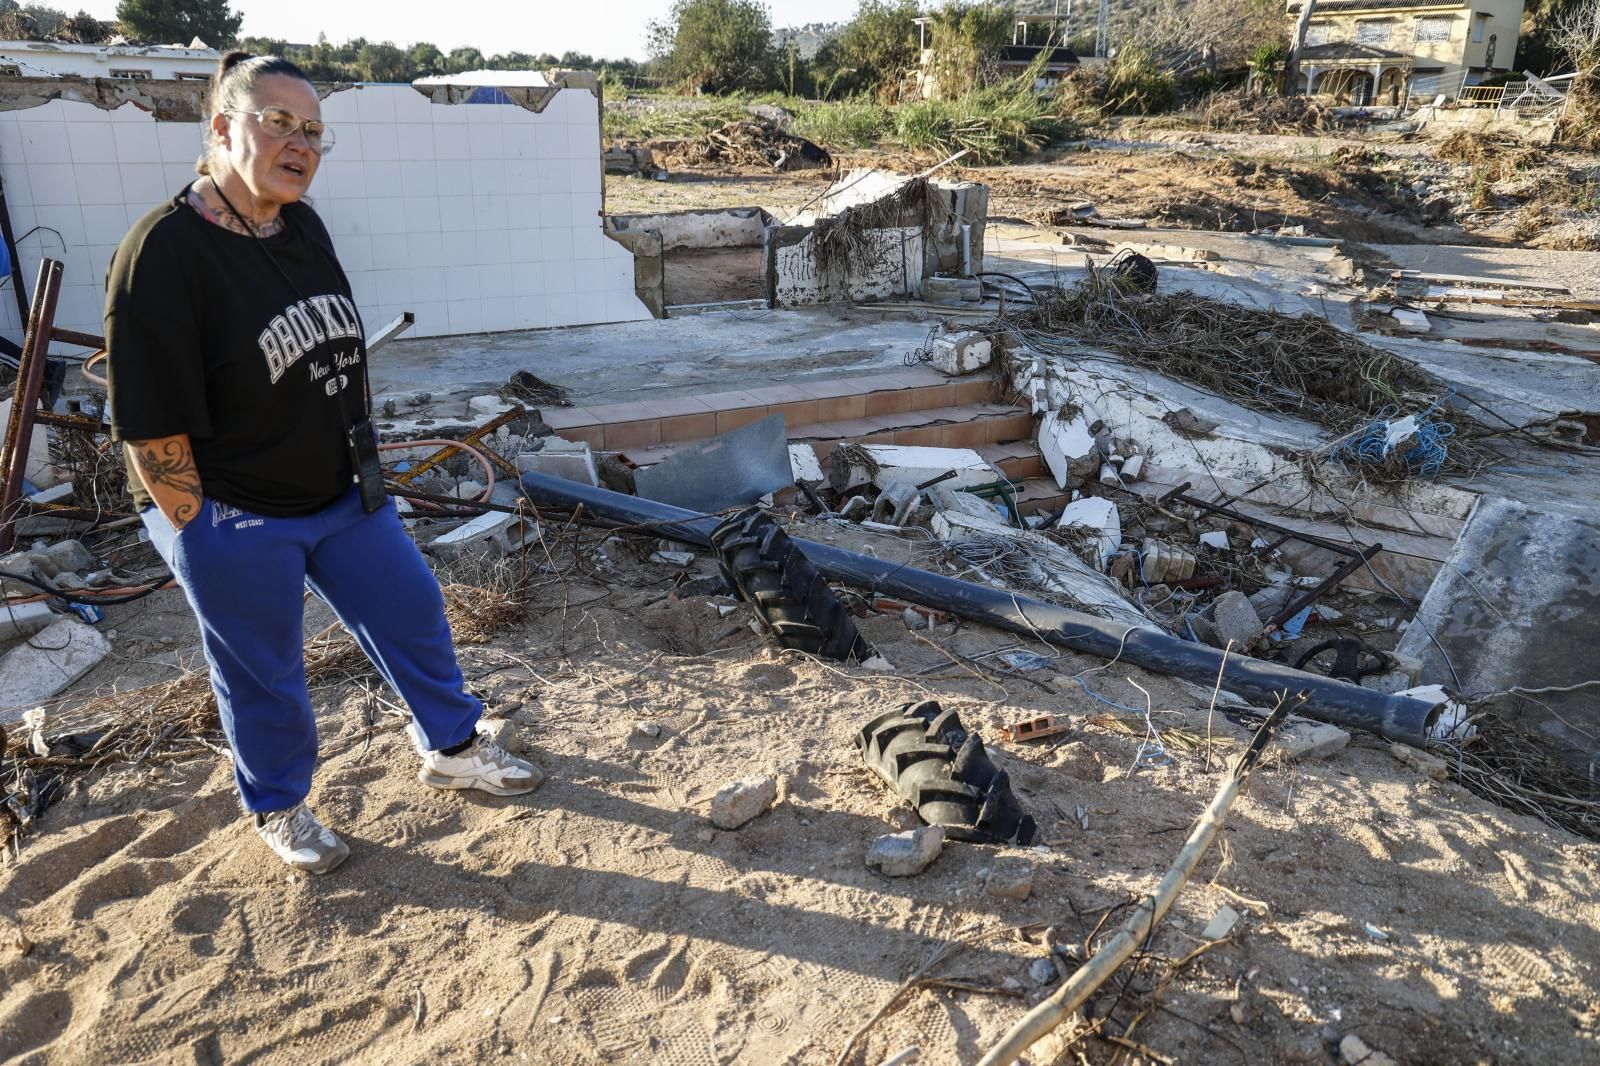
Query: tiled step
x=1041 y=494
x=647 y=423
x=973 y=426
x=1017 y=460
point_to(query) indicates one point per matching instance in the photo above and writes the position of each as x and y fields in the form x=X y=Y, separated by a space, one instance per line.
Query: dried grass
x=1265 y=360
x=1238 y=111
x=1515 y=769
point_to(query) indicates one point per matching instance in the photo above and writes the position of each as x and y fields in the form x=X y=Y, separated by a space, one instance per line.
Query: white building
x=54 y=59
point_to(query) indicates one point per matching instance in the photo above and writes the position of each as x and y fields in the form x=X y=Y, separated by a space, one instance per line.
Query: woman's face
x=276 y=170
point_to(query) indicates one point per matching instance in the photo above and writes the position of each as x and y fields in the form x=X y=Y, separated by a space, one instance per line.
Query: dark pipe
x=1398 y=718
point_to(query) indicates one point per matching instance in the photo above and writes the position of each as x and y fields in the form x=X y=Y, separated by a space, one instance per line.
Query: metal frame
x=25 y=412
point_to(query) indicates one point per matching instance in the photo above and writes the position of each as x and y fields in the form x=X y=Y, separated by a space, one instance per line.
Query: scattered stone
x=1044 y=971
x=70 y=555
x=64 y=651
x=646 y=730
x=1355 y=1052
x=1235 y=619
x=1011 y=984
x=961 y=353
x=673 y=558
x=704 y=585
x=1236 y=1012
x=1422 y=762
x=908 y=853
x=494 y=532
x=503 y=732
x=1221 y=924
x=915 y=619
x=25 y=619
x=741 y=800
x=706 y=836
x=1302 y=739
x=1010 y=879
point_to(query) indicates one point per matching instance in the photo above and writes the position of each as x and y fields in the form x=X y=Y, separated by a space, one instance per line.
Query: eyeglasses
x=279 y=122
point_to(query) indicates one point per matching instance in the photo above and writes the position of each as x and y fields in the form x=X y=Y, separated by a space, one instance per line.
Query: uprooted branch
x=1141 y=926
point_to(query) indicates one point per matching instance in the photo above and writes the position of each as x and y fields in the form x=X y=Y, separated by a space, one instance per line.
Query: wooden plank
x=1478 y=279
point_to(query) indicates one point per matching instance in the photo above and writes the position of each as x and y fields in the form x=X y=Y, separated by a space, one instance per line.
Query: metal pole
x=1398 y=718
x=25 y=400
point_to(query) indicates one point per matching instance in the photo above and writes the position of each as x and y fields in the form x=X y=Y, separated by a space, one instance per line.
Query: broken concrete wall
x=957 y=211
x=477 y=217
x=708 y=256
x=884 y=264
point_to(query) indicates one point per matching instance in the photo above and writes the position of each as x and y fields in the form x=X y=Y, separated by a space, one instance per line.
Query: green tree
x=384 y=62
x=873 y=50
x=426 y=59
x=966 y=39
x=461 y=60
x=717 y=45
x=179 y=21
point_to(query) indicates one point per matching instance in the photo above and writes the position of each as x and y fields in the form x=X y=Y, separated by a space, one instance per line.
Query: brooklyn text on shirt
x=302 y=326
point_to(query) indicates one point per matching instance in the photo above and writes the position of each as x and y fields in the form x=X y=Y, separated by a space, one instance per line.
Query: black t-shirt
x=206 y=337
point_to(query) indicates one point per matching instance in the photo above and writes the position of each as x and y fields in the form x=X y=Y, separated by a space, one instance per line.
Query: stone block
x=740 y=801
x=70 y=556
x=62 y=653
x=565 y=459
x=1010 y=878
x=908 y=853
x=1302 y=739
x=955 y=354
x=25 y=619
x=491 y=533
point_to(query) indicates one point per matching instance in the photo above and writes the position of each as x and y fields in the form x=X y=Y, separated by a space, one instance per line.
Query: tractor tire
x=794 y=603
x=926 y=756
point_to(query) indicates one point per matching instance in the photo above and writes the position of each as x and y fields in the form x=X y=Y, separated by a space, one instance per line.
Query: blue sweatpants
x=244 y=576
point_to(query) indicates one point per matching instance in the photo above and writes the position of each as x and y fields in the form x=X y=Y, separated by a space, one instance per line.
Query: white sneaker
x=485 y=766
x=300 y=840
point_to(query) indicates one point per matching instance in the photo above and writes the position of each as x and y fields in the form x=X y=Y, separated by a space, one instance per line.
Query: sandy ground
x=603 y=919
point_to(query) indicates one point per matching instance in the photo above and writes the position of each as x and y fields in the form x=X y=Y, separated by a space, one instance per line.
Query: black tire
x=926 y=756
x=792 y=600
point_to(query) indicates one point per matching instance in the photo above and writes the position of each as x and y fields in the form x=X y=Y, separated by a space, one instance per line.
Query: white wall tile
x=459 y=248
x=174 y=177
x=52 y=184
x=519 y=140
x=557 y=242
x=378 y=142
x=527 y=249
x=486 y=142
x=591 y=306
x=490 y=211
x=455 y=176
x=494 y=247
x=433 y=319
x=583 y=141
x=46 y=144
x=561 y=310
x=485 y=114
x=450 y=141
x=415 y=140
x=496 y=281
x=466 y=316
x=391 y=287
x=419 y=179
x=412 y=106
x=558 y=279
x=588 y=275
x=422 y=212
x=550 y=140
x=92 y=142
x=11 y=145
x=387 y=214
x=625 y=307
x=180 y=142
x=522 y=211
x=104 y=223
x=385 y=178
x=529 y=312
x=355 y=252
x=342 y=179
x=64 y=222
x=555 y=176
x=427 y=250
x=139 y=143
x=499 y=314
x=372 y=104
x=145 y=183
x=528 y=277
x=455 y=213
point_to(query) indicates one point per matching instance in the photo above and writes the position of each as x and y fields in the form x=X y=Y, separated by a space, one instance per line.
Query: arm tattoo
x=172 y=467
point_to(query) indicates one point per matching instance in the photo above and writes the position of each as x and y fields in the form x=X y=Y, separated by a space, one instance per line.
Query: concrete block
x=908 y=853
x=61 y=653
x=803 y=461
x=952 y=290
x=740 y=801
x=1010 y=879
x=568 y=460
x=491 y=533
x=483 y=408
x=1068 y=448
x=901 y=462
x=1096 y=514
x=70 y=556
x=1235 y=619
x=962 y=353
x=25 y=619
x=1302 y=739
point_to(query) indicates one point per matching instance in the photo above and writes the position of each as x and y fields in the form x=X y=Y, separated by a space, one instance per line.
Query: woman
x=238 y=389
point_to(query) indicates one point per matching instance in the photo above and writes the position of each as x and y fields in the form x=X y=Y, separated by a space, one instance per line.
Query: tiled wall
x=477 y=217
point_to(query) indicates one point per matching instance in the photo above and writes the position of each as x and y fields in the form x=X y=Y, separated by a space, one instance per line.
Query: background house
x=1379 y=51
x=51 y=59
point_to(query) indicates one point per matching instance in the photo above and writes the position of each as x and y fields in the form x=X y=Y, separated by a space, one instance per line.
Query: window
x=1433 y=29
x=10 y=70
x=1372 y=33
x=129 y=74
x=181 y=76
x=1317 y=33
x=1477 y=28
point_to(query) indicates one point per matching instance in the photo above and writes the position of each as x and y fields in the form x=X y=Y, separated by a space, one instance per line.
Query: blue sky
x=609 y=29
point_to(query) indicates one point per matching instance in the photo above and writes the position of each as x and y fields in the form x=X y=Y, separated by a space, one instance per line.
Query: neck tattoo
x=222 y=215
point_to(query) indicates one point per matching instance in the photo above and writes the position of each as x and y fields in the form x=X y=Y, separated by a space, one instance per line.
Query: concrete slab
x=1518 y=604
x=51 y=660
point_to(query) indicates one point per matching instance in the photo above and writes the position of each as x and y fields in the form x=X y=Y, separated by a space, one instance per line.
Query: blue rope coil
x=1425 y=451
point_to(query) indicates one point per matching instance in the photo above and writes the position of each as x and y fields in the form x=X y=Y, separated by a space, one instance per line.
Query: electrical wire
x=109 y=598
